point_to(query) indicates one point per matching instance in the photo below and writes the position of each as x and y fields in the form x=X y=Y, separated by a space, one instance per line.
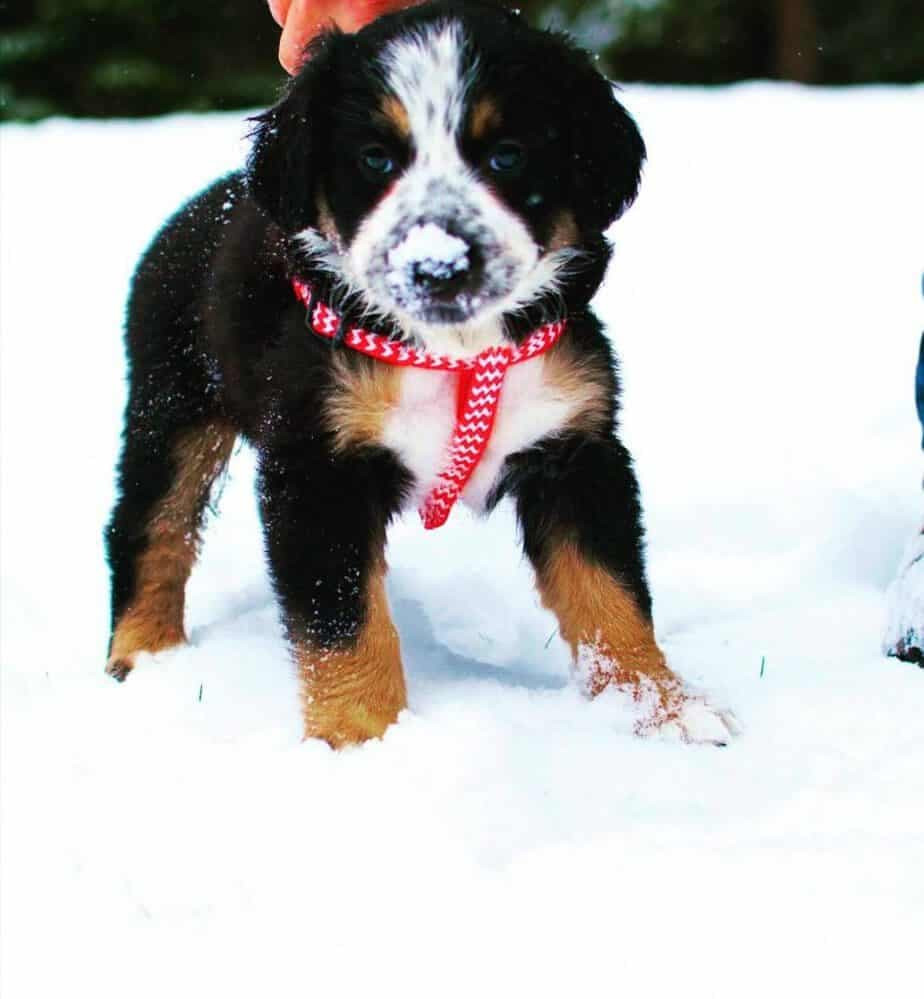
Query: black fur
x=581 y=487
x=215 y=333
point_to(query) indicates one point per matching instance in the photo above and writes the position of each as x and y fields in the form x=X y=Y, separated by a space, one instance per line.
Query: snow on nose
x=428 y=255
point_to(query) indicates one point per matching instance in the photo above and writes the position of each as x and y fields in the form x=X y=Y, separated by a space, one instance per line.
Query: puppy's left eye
x=507 y=157
x=377 y=161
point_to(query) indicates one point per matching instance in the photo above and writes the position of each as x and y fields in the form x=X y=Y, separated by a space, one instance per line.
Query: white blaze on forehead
x=424 y=71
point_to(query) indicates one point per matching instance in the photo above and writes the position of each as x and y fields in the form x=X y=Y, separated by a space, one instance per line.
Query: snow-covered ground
x=174 y=837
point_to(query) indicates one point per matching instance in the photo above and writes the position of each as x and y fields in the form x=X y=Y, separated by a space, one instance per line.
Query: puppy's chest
x=415 y=418
x=420 y=426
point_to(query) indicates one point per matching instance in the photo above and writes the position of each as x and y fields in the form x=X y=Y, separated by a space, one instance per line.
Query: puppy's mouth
x=437 y=274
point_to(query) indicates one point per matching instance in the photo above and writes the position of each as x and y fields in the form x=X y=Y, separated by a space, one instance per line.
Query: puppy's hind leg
x=166 y=474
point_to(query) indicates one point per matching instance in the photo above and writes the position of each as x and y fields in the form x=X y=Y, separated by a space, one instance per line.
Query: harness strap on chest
x=481 y=379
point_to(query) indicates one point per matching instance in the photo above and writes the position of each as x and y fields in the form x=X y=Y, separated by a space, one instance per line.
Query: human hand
x=301 y=20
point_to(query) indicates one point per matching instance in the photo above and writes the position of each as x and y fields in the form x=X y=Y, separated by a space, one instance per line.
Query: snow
x=904 y=623
x=428 y=248
x=173 y=836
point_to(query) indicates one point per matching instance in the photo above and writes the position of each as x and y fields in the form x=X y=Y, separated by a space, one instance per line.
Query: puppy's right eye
x=377 y=161
x=508 y=157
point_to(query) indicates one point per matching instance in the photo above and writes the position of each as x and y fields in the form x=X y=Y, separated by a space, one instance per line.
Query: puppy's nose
x=445 y=279
x=436 y=261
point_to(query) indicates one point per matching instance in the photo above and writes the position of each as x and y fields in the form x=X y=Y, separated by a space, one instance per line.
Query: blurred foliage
x=720 y=41
x=128 y=57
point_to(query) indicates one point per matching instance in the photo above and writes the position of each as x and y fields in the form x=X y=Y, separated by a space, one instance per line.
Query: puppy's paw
x=350 y=726
x=691 y=719
x=118 y=667
x=665 y=706
x=130 y=641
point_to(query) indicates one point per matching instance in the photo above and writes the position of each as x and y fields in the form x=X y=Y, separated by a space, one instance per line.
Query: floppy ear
x=607 y=152
x=290 y=139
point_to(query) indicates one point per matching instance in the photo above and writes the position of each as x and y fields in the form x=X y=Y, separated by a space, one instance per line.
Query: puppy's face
x=447 y=167
x=454 y=223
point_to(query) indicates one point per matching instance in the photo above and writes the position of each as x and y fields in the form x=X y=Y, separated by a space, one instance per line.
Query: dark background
x=127 y=57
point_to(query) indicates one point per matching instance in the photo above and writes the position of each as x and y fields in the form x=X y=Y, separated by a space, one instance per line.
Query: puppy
x=391 y=305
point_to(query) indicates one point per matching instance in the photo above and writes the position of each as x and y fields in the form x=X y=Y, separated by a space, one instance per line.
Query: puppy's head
x=449 y=165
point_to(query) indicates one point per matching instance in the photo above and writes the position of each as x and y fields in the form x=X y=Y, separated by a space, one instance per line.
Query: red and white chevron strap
x=481 y=379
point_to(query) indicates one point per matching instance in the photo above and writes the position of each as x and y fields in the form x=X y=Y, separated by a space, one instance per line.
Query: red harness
x=481 y=379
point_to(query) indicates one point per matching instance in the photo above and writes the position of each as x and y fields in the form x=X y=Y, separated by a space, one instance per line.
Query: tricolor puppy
x=391 y=305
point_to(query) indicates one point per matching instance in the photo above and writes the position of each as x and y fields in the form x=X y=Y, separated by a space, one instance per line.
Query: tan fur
x=611 y=640
x=583 y=382
x=396 y=115
x=154 y=620
x=326 y=224
x=485 y=115
x=564 y=232
x=356 y=409
x=353 y=694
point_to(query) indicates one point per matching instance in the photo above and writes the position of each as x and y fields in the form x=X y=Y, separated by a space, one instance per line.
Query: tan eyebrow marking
x=485 y=114
x=396 y=114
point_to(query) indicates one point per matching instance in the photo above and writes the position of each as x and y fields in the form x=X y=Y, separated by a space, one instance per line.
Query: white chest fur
x=419 y=427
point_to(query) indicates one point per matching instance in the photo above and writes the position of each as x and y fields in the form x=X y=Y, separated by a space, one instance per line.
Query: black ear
x=607 y=151
x=290 y=139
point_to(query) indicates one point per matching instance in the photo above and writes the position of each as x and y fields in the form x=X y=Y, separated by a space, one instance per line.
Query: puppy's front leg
x=577 y=499
x=324 y=521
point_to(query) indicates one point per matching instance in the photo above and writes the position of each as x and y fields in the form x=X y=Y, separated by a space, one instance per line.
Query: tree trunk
x=796 y=41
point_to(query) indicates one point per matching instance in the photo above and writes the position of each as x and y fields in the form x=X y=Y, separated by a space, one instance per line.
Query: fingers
x=279 y=9
x=365 y=11
x=303 y=19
